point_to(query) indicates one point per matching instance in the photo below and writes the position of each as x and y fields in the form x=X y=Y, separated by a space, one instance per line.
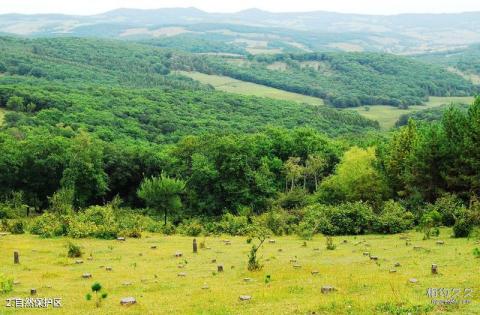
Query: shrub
x=429 y=221
x=62 y=201
x=131 y=224
x=16 y=227
x=168 y=229
x=74 y=251
x=280 y=222
x=449 y=206
x=191 y=227
x=48 y=225
x=462 y=227
x=476 y=252
x=95 y=221
x=348 y=219
x=294 y=199
x=233 y=225
x=6 y=284
x=393 y=219
x=13 y=207
x=330 y=244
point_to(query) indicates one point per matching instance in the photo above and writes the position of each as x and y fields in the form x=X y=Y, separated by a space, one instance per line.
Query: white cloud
x=351 y=6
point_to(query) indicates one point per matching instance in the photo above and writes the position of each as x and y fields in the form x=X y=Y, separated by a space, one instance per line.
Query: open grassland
x=363 y=286
x=388 y=115
x=2 y=115
x=231 y=85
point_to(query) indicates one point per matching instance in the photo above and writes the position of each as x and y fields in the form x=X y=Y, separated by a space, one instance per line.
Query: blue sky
x=347 y=6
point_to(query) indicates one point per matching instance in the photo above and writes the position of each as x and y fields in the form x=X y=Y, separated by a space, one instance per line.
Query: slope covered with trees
x=92 y=122
x=345 y=79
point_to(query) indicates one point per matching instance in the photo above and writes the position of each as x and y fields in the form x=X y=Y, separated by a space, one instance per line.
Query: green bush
x=16 y=227
x=13 y=207
x=168 y=229
x=348 y=219
x=294 y=199
x=314 y=219
x=48 y=225
x=74 y=251
x=6 y=284
x=191 y=227
x=393 y=219
x=131 y=224
x=233 y=225
x=280 y=222
x=430 y=220
x=95 y=221
x=449 y=206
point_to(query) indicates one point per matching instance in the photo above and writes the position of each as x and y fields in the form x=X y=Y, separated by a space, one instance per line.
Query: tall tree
x=84 y=172
x=162 y=194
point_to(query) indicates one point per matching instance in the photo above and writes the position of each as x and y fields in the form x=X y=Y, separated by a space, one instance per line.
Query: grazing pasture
x=231 y=85
x=388 y=115
x=2 y=115
x=371 y=274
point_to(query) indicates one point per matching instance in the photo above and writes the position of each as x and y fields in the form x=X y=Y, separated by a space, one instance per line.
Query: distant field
x=228 y=84
x=2 y=115
x=388 y=115
x=151 y=276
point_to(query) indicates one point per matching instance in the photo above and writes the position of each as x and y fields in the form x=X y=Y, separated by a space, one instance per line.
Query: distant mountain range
x=405 y=33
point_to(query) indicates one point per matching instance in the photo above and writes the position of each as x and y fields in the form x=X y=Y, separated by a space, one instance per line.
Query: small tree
x=261 y=234
x=99 y=296
x=162 y=193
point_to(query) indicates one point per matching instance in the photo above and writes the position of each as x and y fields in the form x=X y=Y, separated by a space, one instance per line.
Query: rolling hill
x=263 y=31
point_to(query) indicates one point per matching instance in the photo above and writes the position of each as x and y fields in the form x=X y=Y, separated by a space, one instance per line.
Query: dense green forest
x=345 y=79
x=466 y=60
x=429 y=114
x=108 y=127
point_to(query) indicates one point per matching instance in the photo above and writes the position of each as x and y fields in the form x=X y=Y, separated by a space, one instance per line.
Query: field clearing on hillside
x=387 y=116
x=362 y=285
x=231 y=85
x=2 y=115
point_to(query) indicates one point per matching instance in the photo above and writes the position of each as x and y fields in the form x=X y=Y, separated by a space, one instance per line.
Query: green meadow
x=290 y=282
x=231 y=85
x=388 y=115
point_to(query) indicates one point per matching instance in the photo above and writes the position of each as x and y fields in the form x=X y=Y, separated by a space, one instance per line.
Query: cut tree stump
x=327 y=289
x=128 y=301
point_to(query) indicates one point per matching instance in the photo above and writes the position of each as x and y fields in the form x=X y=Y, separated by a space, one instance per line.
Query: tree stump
x=327 y=289
x=86 y=275
x=434 y=269
x=128 y=301
x=194 y=245
x=220 y=268
x=16 y=257
x=33 y=291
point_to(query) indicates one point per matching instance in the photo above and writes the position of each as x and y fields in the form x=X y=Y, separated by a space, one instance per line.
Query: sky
x=86 y=7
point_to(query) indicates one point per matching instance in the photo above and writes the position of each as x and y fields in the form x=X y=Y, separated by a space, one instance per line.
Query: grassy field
x=2 y=115
x=231 y=85
x=363 y=286
x=388 y=115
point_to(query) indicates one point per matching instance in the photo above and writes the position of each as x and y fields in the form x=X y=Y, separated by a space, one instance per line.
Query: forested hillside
x=88 y=120
x=465 y=62
x=345 y=79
